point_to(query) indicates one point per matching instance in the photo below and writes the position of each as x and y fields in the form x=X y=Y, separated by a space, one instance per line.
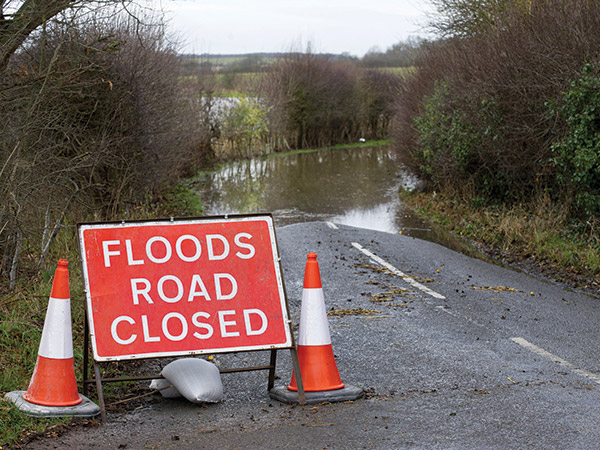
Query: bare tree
x=93 y=121
x=467 y=18
x=18 y=19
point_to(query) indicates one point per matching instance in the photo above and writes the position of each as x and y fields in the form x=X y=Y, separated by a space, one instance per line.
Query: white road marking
x=332 y=225
x=566 y=364
x=397 y=272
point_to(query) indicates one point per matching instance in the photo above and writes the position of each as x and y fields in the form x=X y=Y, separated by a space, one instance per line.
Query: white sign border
x=81 y=228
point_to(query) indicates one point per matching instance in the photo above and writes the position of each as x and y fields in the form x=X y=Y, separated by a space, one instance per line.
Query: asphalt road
x=452 y=352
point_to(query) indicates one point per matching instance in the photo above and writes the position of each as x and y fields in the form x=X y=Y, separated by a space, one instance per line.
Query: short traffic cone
x=315 y=353
x=53 y=381
x=320 y=376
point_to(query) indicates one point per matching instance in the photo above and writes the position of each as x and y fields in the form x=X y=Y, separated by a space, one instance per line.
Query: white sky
x=331 y=26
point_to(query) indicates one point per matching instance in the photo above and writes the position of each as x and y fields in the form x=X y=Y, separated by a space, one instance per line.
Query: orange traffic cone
x=53 y=381
x=320 y=376
x=315 y=353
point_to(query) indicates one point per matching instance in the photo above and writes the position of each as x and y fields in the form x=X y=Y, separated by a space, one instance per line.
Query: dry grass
x=538 y=232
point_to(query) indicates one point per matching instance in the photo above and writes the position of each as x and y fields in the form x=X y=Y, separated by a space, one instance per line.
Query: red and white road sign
x=181 y=287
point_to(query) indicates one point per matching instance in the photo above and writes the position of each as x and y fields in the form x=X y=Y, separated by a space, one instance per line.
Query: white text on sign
x=183 y=287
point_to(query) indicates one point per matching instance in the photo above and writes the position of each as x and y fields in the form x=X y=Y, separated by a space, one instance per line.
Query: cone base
x=346 y=394
x=86 y=408
x=53 y=383
x=318 y=368
x=293 y=387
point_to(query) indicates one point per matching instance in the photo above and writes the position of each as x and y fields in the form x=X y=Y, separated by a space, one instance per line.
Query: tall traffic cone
x=315 y=352
x=53 y=385
x=320 y=376
x=53 y=382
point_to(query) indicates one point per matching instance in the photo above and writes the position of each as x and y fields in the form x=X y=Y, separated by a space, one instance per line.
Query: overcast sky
x=331 y=26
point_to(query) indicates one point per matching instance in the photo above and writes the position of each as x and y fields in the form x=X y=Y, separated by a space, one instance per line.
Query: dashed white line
x=566 y=364
x=332 y=225
x=397 y=272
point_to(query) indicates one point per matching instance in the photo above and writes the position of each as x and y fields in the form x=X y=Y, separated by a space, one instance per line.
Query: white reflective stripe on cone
x=314 y=329
x=57 y=341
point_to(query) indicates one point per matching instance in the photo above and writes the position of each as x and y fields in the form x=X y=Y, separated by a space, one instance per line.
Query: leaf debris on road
x=387 y=296
x=494 y=288
x=353 y=312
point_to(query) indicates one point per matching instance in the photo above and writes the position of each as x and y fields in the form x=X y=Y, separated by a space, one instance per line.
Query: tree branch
x=29 y=16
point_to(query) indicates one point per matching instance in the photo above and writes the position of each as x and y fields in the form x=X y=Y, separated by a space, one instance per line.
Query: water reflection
x=357 y=187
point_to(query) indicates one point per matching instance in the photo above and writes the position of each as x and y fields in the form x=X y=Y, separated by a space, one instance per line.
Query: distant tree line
x=401 y=54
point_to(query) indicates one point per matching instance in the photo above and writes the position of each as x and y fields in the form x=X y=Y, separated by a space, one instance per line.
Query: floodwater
x=354 y=186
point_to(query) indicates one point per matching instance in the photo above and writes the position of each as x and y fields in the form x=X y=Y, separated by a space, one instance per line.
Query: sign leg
x=272 y=364
x=298 y=375
x=100 y=393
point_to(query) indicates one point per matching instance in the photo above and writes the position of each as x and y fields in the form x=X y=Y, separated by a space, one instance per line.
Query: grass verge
x=23 y=312
x=536 y=236
x=376 y=143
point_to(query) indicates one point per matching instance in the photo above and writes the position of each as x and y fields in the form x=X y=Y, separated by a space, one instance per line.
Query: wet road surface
x=452 y=352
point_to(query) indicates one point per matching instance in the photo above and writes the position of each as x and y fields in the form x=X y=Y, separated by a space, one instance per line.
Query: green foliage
x=246 y=120
x=245 y=123
x=445 y=136
x=577 y=154
x=454 y=136
x=447 y=141
x=179 y=201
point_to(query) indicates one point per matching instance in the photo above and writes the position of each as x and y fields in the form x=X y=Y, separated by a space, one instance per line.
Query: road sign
x=183 y=287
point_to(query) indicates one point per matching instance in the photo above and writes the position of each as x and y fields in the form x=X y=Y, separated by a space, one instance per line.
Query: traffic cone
x=320 y=376
x=53 y=382
x=52 y=390
x=315 y=353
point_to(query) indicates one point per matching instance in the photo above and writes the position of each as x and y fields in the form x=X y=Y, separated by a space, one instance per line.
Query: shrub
x=313 y=100
x=244 y=126
x=577 y=153
x=92 y=122
x=502 y=67
x=452 y=147
x=316 y=102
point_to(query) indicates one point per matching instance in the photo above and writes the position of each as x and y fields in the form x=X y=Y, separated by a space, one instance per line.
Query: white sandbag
x=169 y=392
x=196 y=379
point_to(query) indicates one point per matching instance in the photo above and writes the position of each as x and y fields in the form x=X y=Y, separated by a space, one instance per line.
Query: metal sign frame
x=90 y=333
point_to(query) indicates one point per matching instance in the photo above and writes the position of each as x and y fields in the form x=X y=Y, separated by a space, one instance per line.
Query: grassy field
x=228 y=84
x=378 y=143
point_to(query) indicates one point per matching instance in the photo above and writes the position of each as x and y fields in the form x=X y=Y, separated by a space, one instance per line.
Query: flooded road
x=353 y=186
